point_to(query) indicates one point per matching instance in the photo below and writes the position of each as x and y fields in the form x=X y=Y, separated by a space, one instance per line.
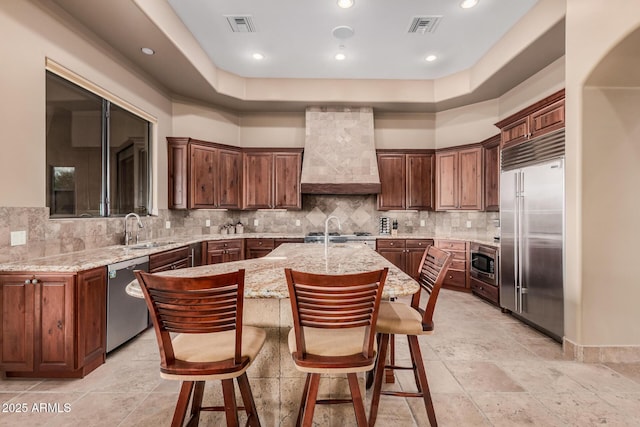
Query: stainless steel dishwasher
x=127 y=316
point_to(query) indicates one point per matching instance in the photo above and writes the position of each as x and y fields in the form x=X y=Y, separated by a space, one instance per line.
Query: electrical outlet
x=422 y=223
x=255 y=222
x=167 y=225
x=18 y=238
x=468 y=224
x=297 y=223
x=207 y=223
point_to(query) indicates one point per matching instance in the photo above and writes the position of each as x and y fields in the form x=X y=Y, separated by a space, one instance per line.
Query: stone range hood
x=339 y=152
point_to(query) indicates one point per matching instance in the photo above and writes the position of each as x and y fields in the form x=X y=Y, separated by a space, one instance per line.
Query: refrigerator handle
x=521 y=288
x=516 y=248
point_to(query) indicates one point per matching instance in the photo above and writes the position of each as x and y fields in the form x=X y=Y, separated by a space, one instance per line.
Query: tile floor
x=485 y=369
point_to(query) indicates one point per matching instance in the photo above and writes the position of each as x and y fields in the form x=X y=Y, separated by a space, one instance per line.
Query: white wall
x=272 y=129
x=466 y=125
x=589 y=299
x=29 y=36
x=404 y=130
x=205 y=123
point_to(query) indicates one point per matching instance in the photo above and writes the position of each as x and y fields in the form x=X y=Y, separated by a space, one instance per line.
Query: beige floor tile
x=584 y=409
x=598 y=378
x=482 y=376
x=629 y=370
x=540 y=377
x=515 y=409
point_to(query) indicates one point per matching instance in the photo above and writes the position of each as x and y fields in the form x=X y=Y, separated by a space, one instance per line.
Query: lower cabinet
x=457 y=277
x=257 y=248
x=172 y=259
x=218 y=251
x=53 y=324
x=405 y=254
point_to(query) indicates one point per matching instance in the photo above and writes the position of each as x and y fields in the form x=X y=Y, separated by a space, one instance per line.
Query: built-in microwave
x=484 y=263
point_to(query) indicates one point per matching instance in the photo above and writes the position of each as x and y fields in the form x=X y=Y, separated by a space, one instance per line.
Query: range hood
x=339 y=152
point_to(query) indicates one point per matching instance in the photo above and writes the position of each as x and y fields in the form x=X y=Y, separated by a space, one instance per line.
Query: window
x=97 y=154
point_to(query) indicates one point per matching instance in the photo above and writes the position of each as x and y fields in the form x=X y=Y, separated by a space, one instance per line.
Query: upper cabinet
x=459 y=183
x=491 y=147
x=271 y=178
x=406 y=179
x=542 y=117
x=203 y=175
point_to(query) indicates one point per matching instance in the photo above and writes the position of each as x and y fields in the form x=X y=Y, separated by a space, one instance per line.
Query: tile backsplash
x=47 y=236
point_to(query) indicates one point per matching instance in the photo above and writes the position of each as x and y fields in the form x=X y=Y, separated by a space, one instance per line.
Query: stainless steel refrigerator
x=532 y=233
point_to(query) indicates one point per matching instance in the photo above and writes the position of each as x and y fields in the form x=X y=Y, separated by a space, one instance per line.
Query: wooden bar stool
x=211 y=344
x=334 y=320
x=397 y=318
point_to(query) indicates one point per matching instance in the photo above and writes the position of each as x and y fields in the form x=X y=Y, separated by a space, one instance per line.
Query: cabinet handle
x=34 y=281
x=60 y=324
x=259 y=243
x=391 y=244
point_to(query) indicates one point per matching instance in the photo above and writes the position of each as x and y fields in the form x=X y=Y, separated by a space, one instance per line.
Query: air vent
x=241 y=24
x=424 y=24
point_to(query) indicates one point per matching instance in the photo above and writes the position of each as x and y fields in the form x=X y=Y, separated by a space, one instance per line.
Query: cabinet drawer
x=454 y=245
x=458 y=265
x=390 y=243
x=489 y=292
x=418 y=243
x=455 y=278
x=168 y=257
x=224 y=244
x=260 y=244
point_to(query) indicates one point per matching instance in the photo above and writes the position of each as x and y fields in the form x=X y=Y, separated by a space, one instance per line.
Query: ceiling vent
x=241 y=24
x=424 y=24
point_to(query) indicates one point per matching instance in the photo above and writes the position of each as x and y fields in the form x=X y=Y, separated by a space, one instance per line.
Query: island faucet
x=326 y=233
x=127 y=232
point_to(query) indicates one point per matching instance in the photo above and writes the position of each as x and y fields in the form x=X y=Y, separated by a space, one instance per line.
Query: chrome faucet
x=326 y=233
x=127 y=232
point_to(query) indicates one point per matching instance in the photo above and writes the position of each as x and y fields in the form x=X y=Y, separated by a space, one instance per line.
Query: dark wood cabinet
x=218 y=251
x=171 y=259
x=406 y=179
x=257 y=248
x=491 y=147
x=542 y=117
x=405 y=254
x=271 y=179
x=203 y=175
x=457 y=276
x=459 y=179
x=53 y=324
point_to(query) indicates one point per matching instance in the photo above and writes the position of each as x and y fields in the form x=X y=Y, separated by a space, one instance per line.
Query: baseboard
x=601 y=354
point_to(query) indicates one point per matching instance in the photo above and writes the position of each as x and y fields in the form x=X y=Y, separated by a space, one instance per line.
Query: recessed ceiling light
x=468 y=4
x=346 y=4
x=340 y=56
x=148 y=51
x=431 y=58
x=258 y=56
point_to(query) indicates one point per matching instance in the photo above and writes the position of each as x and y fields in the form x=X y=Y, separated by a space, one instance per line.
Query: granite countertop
x=264 y=277
x=84 y=260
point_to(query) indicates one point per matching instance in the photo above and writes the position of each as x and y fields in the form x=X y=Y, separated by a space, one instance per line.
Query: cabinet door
x=547 y=119
x=233 y=254
x=178 y=174
x=230 y=173
x=287 y=180
x=392 y=170
x=447 y=185
x=54 y=319
x=394 y=251
x=204 y=176
x=492 y=178
x=215 y=256
x=17 y=323
x=516 y=132
x=257 y=248
x=92 y=316
x=420 y=171
x=415 y=251
x=470 y=193
x=257 y=180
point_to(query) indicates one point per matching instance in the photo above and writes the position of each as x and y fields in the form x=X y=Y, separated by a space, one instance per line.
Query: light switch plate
x=18 y=238
x=468 y=224
x=422 y=223
x=167 y=225
x=297 y=223
x=207 y=223
x=255 y=222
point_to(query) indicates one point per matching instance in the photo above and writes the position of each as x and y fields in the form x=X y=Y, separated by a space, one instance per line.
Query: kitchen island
x=275 y=382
